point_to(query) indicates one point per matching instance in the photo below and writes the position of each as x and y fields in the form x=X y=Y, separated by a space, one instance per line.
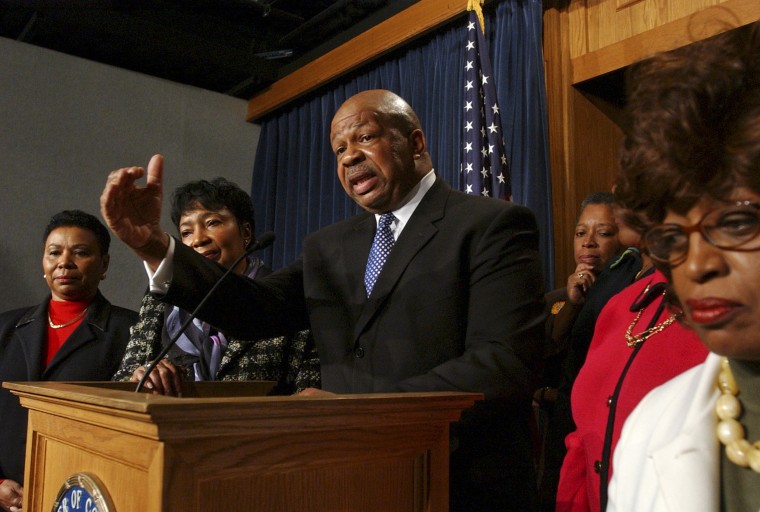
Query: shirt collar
x=404 y=213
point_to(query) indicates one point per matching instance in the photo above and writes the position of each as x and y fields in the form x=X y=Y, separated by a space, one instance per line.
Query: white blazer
x=668 y=456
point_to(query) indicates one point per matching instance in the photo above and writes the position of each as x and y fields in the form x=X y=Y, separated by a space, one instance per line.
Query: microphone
x=262 y=242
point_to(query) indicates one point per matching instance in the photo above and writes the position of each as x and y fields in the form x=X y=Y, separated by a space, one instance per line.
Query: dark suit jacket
x=457 y=306
x=92 y=352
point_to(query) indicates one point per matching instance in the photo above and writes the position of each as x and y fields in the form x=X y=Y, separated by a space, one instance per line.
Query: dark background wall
x=65 y=123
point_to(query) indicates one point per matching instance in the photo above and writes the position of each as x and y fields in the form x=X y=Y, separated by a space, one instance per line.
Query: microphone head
x=262 y=242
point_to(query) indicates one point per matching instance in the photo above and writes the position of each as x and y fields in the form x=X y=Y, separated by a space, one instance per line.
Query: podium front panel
x=365 y=453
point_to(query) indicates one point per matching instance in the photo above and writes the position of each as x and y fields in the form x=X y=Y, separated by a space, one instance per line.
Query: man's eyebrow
x=350 y=127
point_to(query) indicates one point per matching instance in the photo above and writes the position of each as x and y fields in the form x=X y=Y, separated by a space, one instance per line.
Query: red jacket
x=659 y=358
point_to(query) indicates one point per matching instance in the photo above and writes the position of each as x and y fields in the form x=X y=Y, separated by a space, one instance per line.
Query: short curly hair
x=80 y=219
x=212 y=195
x=598 y=198
x=695 y=120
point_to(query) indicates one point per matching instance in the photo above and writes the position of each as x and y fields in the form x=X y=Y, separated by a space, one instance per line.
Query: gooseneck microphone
x=264 y=241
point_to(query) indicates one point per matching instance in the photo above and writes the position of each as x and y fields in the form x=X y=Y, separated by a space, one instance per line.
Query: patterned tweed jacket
x=291 y=361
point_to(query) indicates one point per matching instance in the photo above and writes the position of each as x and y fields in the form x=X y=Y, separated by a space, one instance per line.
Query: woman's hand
x=579 y=283
x=165 y=379
x=11 y=495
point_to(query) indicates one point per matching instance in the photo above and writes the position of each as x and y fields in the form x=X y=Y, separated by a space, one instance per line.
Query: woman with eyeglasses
x=691 y=162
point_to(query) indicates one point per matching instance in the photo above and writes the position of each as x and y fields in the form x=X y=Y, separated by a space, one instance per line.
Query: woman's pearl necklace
x=730 y=432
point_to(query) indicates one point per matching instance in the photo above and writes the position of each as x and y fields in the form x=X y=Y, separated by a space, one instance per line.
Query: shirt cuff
x=162 y=277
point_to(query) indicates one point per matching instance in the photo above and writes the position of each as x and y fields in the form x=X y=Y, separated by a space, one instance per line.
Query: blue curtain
x=295 y=188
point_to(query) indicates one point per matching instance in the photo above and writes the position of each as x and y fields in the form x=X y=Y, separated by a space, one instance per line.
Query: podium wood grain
x=224 y=447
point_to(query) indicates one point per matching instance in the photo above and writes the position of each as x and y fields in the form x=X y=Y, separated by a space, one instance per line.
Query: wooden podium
x=228 y=447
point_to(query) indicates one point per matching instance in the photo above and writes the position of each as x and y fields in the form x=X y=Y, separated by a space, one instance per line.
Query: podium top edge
x=223 y=394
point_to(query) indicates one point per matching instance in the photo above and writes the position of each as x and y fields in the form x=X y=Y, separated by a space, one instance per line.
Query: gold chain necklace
x=730 y=431
x=634 y=339
x=73 y=320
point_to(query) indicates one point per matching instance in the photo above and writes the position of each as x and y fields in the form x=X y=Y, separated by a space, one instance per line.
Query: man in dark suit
x=457 y=305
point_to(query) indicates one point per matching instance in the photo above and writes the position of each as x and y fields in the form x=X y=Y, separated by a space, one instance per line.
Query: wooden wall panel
x=605 y=37
x=597 y=24
x=557 y=73
x=596 y=140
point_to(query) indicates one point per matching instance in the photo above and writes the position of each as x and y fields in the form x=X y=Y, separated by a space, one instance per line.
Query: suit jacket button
x=359 y=352
x=598 y=466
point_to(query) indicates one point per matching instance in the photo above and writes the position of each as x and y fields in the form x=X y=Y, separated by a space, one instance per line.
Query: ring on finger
x=581 y=274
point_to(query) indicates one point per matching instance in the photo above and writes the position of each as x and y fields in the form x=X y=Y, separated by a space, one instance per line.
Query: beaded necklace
x=730 y=431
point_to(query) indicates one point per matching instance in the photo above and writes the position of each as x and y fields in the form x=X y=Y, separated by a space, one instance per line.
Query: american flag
x=484 y=160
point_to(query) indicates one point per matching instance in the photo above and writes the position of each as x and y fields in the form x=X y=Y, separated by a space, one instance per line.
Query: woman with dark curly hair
x=216 y=219
x=692 y=164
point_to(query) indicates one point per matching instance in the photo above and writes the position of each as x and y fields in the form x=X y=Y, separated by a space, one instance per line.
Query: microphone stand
x=263 y=241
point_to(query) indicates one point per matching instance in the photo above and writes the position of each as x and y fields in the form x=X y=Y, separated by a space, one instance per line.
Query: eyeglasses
x=735 y=227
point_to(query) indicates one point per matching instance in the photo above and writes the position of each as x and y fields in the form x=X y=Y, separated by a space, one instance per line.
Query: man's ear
x=419 y=145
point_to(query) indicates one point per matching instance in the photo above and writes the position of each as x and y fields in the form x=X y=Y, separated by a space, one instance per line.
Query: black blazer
x=92 y=352
x=458 y=306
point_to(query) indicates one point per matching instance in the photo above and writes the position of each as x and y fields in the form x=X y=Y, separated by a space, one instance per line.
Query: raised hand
x=579 y=282
x=133 y=213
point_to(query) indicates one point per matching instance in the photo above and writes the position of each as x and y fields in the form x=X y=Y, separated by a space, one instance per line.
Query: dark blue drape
x=295 y=188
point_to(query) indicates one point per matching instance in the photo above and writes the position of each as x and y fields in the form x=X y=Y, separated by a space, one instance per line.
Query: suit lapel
x=357 y=242
x=81 y=336
x=420 y=229
x=689 y=466
x=31 y=334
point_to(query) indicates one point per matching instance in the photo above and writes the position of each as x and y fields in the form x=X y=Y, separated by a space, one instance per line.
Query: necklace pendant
x=634 y=339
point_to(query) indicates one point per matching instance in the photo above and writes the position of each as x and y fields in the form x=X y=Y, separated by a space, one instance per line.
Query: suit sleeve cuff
x=162 y=277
